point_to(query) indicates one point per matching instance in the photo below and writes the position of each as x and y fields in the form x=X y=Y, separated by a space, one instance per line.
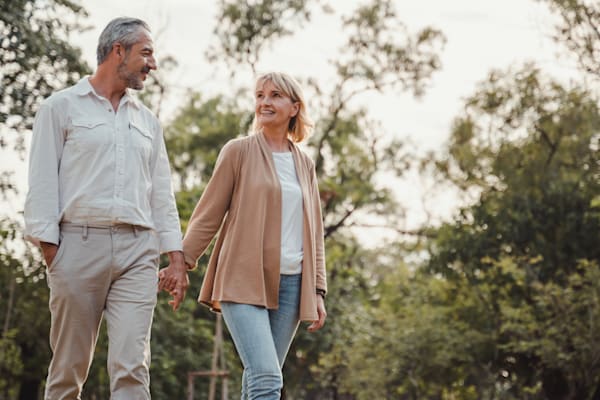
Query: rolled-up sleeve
x=42 y=201
x=164 y=206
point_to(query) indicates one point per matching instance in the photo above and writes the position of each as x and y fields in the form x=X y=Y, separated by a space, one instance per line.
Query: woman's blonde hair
x=300 y=125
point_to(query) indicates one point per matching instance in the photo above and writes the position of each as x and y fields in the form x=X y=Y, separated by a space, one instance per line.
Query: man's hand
x=174 y=279
x=49 y=252
x=321 y=312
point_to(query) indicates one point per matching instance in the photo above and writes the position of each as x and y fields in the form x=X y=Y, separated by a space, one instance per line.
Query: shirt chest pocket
x=140 y=139
x=89 y=135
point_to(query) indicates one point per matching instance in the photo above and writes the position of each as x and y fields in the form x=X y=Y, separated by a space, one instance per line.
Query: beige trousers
x=102 y=271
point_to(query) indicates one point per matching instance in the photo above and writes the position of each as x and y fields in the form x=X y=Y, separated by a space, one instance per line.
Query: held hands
x=321 y=312
x=174 y=279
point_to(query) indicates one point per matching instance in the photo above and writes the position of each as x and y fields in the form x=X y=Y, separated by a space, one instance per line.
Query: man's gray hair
x=120 y=30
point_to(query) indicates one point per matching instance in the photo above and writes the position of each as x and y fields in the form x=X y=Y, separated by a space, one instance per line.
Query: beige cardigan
x=243 y=199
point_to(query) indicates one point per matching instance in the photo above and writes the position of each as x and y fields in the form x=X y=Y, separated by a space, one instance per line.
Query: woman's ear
x=296 y=108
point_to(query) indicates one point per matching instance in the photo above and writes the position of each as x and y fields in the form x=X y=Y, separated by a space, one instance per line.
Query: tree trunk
x=11 y=299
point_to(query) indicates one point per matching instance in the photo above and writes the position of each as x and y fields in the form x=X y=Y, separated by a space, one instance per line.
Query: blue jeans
x=262 y=338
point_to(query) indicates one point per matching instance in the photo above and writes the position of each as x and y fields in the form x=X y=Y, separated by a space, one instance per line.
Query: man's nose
x=152 y=63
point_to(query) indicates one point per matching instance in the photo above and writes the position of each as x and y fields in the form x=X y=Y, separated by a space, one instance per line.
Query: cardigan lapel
x=268 y=158
x=303 y=178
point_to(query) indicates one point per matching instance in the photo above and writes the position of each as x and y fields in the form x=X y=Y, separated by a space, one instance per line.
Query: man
x=101 y=207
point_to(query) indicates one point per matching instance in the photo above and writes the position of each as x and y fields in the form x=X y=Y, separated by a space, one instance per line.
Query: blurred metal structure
x=217 y=368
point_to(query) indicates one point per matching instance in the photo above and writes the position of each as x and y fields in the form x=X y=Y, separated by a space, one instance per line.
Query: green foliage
x=350 y=150
x=557 y=326
x=317 y=362
x=578 y=31
x=528 y=246
x=381 y=53
x=11 y=364
x=530 y=154
x=36 y=58
x=24 y=315
x=504 y=305
x=406 y=349
x=198 y=133
x=351 y=153
x=348 y=177
x=244 y=28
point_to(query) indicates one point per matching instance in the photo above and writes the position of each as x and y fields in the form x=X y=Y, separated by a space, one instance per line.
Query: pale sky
x=481 y=35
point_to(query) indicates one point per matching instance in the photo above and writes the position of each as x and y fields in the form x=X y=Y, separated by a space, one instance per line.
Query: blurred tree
x=156 y=87
x=579 y=31
x=506 y=306
x=529 y=148
x=244 y=28
x=36 y=59
x=195 y=137
x=24 y=316
x=350 y=151
x=415 y=342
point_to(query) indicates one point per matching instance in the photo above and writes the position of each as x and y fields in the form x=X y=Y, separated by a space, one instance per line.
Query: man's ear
x=118 y=49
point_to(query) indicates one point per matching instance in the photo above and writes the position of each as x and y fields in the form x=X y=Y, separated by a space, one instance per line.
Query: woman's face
x=273 y=108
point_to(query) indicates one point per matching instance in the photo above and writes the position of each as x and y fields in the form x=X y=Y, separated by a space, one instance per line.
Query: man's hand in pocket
x=49 y=252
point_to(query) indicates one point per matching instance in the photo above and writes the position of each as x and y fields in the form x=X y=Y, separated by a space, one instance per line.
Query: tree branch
x=329 y=230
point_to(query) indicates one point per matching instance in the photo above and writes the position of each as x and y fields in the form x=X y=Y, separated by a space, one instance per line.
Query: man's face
x=138 y=62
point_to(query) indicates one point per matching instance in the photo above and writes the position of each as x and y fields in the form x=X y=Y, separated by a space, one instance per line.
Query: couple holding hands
x=100 y=205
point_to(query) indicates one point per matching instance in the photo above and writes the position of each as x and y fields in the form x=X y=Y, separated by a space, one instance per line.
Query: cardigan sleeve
x=213 y=205
x=319 y=234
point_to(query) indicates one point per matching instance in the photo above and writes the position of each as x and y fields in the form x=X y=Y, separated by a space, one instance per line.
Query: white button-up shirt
x=90 y=165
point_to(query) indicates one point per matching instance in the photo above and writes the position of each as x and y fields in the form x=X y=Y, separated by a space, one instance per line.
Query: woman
x=267 y=269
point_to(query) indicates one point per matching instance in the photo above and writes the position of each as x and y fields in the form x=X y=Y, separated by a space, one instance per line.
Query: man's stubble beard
x=131 y=78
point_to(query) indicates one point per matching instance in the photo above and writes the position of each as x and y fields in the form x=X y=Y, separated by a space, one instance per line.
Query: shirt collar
x=84 y=88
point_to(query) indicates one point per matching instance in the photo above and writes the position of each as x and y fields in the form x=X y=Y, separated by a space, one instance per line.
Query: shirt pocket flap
x=142 y=130
x=86 y=123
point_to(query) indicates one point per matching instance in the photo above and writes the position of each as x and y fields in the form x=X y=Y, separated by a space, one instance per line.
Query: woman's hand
x=321 y=312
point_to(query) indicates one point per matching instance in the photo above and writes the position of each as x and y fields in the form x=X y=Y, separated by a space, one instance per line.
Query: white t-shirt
x=291 y=214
